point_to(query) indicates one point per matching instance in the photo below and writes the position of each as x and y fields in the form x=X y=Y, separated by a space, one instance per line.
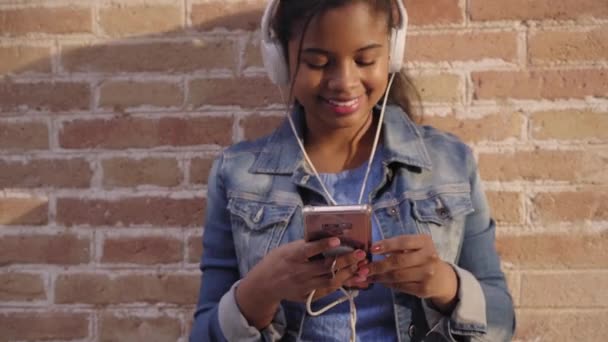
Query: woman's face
x=343 y=68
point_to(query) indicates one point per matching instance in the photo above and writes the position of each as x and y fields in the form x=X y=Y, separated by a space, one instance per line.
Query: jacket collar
x=402 y=142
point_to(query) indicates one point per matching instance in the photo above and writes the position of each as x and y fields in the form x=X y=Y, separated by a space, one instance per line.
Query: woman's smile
x=343 y=107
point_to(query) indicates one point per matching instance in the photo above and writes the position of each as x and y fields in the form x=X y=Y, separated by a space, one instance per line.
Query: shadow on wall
x=86 y=92
x=80 y=93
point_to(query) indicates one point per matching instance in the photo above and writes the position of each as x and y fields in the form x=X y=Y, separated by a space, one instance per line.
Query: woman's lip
x=344 y=110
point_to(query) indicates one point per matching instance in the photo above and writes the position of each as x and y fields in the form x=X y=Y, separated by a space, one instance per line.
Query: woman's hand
x=287 y=273
x=412 y=266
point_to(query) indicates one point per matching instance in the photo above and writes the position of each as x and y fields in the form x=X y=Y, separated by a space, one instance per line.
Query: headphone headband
x=275 y=62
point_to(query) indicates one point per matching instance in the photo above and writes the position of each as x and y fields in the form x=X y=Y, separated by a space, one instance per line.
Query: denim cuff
x=469 y=315
x=235 y=327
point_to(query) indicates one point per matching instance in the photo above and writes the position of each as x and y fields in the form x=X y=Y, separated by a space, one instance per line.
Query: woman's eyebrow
x=325 y=52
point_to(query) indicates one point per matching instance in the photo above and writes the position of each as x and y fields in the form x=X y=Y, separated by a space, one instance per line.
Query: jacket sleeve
x=484 y=311
x=217 y=316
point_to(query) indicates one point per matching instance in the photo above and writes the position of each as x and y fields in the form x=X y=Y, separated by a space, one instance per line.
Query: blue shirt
x=375 y=315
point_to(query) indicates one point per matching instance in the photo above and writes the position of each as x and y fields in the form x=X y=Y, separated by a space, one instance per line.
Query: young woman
x=434 y=275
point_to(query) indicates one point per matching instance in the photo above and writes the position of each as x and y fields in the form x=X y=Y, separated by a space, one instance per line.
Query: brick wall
x=110 y=113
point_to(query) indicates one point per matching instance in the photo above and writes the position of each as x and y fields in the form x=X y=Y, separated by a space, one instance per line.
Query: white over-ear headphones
x=276 y=63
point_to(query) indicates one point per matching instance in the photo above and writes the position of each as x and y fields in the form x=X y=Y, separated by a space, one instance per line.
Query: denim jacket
x=430 y=185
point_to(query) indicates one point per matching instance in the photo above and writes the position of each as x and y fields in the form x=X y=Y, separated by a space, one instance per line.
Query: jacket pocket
x=441 y=212
x=257 y=227
x=257 y=215
x=440 y=208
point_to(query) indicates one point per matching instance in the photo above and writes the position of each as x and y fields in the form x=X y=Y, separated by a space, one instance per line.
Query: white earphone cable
x=348 y=295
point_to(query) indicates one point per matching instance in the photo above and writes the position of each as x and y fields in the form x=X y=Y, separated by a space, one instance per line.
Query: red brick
x=235 y=15
x=38 y=173
x=35 y=326
x=552 y=251
x=62 y=249
x=53 y=96
x=245 y=15
x=24 y=136
x=23 y=211
x=20 y=59
x=569 y=124
x=513 y=284
x=462 y=46
x=257 y=126
x=196 y=131
x=150 y=250
x=506 y=207
x=494 y=127
x=155 y=211
x=127 y=94
x=439 y=87
x=563 y=46
x=118 y=21
x=195 y=249
x=149 y=171
x=199 y=170
x=151 y=57
x=537 y=9
x=128 y=132
x=253 y=55
x=21 y=287
x=558 y=325
x=579 y=206
x=128 y=327
x=566 y=290
x=103 y=289
x=50 y=20
x=245 y=92
x=574 y=166
x=536 y=85
x=437 y=12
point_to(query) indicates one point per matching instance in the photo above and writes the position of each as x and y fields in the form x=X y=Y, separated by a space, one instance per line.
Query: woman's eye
x=316 y=65
x=366 y=63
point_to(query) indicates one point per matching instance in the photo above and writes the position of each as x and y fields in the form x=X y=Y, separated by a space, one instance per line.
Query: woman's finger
x=347 y=260
x=411 y=274
x=397 y=261
x=401 y=243
x=310 y=249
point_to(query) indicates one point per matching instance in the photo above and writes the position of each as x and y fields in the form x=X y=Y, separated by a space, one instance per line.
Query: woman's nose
x=343 y=77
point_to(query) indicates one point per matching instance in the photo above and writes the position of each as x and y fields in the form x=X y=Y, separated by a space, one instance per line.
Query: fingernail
x=376 y=248
x=360 y=254
x=363 y=272
x=334 y=242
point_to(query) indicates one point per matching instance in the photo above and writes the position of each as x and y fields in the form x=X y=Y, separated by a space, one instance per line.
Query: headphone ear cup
x=275 y=62
x=397 y=49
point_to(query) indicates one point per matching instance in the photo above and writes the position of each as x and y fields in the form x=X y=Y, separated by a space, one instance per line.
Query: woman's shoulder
x=438 y=138
x=443 y=146
x=248 y=147
x=434 y=140
x=243 y=155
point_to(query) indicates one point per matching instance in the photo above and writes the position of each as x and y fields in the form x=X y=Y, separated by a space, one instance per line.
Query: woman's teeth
x=344 y=104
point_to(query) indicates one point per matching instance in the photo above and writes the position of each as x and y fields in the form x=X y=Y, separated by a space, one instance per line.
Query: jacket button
x=392 y=212
x=411 y=331
x=443 y=213
x=258 y=216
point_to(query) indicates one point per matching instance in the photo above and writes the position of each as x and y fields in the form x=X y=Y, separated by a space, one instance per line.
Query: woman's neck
x=334 y=150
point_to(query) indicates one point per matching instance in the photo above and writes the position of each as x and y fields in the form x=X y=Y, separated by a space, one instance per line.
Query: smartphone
x=352 y=224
